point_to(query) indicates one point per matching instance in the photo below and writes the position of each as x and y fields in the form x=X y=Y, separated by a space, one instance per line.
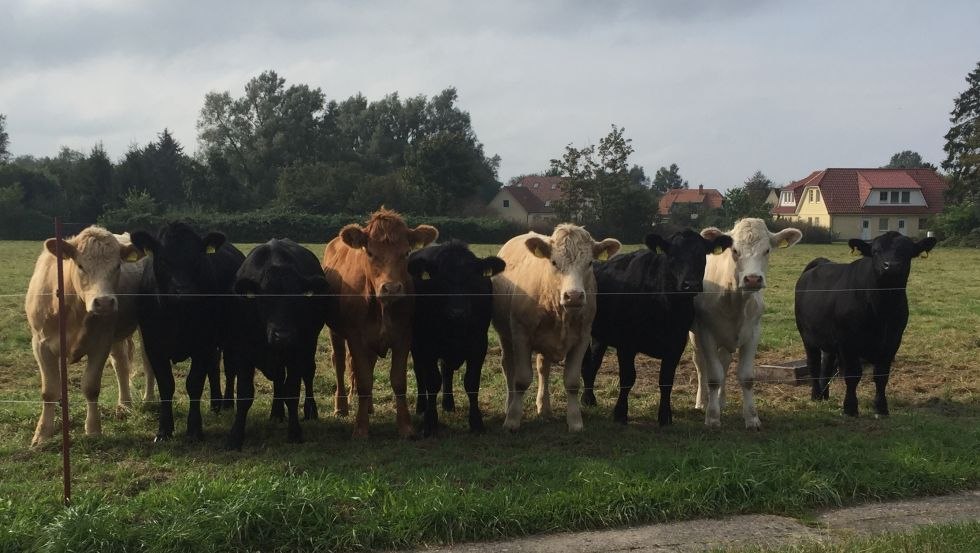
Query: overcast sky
x=722 y=88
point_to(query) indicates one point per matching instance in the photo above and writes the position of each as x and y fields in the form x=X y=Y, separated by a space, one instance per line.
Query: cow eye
x=554 y=264
x=368 y=252
x=734 y=251
x=767 y=252
x=80 y=268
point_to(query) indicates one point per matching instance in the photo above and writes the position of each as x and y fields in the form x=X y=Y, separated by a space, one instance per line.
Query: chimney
x=701 y=188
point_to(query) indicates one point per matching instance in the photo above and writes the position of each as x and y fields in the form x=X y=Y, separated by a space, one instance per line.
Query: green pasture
x=334 y=493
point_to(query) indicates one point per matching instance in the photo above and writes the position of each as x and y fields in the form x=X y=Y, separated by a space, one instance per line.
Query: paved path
x=749 y=530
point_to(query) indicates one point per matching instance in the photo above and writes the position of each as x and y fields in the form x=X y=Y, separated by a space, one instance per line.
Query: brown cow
x=544 y=302
x=100 y=280
x=369 y=267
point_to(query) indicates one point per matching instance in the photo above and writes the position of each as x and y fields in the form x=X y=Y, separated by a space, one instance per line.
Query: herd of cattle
x=385 y=289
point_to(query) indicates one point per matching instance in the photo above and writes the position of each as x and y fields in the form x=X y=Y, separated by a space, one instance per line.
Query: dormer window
x=883 y=197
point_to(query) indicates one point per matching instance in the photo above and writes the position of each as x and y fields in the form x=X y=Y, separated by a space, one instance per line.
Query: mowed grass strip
x=941 y=538
x=333 y=493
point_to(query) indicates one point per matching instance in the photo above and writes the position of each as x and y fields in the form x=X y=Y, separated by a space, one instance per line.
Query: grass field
x=335 y=493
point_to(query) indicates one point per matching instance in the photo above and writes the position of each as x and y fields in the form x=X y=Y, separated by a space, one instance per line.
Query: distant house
x=864 y=203
x=693 y=201
x=529 y=201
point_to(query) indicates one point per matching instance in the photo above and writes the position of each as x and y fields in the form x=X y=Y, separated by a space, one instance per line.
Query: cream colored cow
x=101 y=273
x=544 y=302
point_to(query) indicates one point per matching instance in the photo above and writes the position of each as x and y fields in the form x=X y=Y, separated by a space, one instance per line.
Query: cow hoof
x=234 y=444
x=419 y=406
x=162 y=438
x=511 y=426
x=588 y=399
x=476 y=424
x=216 y=405
x=195 y=436
x=448 y=404
x=575 y=427
x=713 y=423
x=881 y=416
x=340 y=412
x=124 y=409
x=310 y=412
x=753 y=424
x=294 y=438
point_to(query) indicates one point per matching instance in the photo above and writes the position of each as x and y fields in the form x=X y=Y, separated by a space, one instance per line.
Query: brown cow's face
x=385 y=245
x=97 y=257
x=570 y=250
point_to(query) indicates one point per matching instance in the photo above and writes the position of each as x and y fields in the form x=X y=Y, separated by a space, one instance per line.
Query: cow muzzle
x=279 y=337
x=692 y=286
x=753 y=282
x=103 y=305
x=391 y=291
x=573 y=299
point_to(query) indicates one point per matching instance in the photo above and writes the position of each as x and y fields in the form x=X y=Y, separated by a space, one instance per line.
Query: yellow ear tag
x=210 y=249
x=148 y=253
x=426 y=275
x=132 y=257
x=250 y=295
x=309 y=293
x=418 y=246
x=488 y=272
x=659 y=250
x=604 y=255
x=855 y=252
x=717 y=250
x=784 y=243
x=539 y=253
x=924 y=254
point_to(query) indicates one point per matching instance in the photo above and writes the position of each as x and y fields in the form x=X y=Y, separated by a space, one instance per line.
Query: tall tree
x=4 y=139
x=907 y=159
x=757 y=187
x=668 y=178
x=963 y=142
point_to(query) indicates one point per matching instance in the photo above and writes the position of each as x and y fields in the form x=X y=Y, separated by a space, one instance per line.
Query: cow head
x=179 y=255
x=384 y=245
x=456 y=278
x=892 y=253
x=570 y=250
x=751 y=248
x=685 y=253
x=281 y=296
x=97 y=256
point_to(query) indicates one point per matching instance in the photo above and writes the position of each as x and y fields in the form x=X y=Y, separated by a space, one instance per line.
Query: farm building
x=529 y=201
x=691 y=201
x=864 y=202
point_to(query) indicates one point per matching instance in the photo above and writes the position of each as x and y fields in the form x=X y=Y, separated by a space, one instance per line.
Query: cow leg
x=294 y=434
x=340 y=404
x=828 y=367
x=701 y=396
x=591 y=362
x=203 y=364
x=427 y=376
x=518 y=381
x=882 y=371
x=121 y=355
x=278 y=412
x=231 y=371
x=627 y=377
x=448 y=400
x=668 y=368
x=815 y=365
x=92 y=386
x=421 y=387
x=362 y=362
x=164 y=373
x=246 y=396
x=544 y=394
x=149 y=393
x=746 y=378
x=712 y=365
x=573 y=381
x=47 y=362
x=399 y=387
x=851 y=369
x=310 y=411
x=214 y=384
x=471 y=383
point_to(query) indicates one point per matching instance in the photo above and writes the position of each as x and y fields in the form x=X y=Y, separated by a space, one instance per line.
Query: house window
x=883 y=223
x=901 y=226
x=883 y=197
x=894 y=196
x=506 y=203
x=811 y=194
x=818 y=194
x=906 y=196
x=809 y=220
x=923 y=223
x=816 y=221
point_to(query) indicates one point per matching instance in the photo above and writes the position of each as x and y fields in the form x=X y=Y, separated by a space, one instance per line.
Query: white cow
x=544 y=301
x=727 y=314
x=101 y=274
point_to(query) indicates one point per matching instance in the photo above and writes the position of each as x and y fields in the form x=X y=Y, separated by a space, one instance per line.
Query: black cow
x=453 y=307
x=856 y=312
x=281 y=310
x=645 y=304
x=184 y=310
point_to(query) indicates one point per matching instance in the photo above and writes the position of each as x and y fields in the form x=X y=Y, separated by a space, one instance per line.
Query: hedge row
x=259 y=226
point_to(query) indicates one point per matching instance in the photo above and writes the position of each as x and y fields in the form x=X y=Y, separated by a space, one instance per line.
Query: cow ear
x=130 y=253
x=720 y=243
x=353 y=235
x=859 y=247
x=785 y=238
x=422 y=236
x=419 y=268
x=711 y=233
x=246 y=287
x=144 y=241
x=67 y=250
x=924 y=246
x=539 y=247
x=605 y=249
x=492 y=265
x=213 y=241
x=657 y=243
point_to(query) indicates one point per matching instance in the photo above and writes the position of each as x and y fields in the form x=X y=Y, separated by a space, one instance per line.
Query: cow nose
x=691 y=286
x=278 y=336
x=753 y=282
x=391 y=288
x=104 y=304
x=573 y=298
x=888 y=265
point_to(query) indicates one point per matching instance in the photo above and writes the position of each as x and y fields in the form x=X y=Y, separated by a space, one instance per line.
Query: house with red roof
x=700 y=200
x=529 y=201
x=864 y=203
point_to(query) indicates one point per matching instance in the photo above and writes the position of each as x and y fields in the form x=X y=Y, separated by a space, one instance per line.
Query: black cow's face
x=456 y=279
x=685 y=255
x=892 y=253
x=179 y=255
x=282 y=298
